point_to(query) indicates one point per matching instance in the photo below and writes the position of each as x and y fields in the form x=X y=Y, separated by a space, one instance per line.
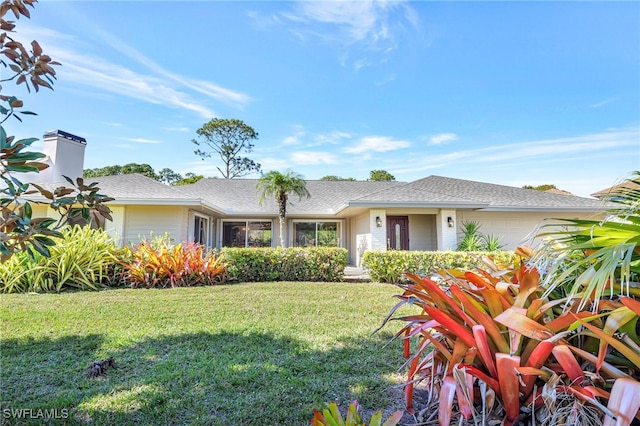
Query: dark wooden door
x=397 y=233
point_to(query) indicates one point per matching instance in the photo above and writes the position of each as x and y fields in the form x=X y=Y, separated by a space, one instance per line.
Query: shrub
x=492 y=336
x=160 y=264
x=82 y=258
x=391 y=266
x=286 y=264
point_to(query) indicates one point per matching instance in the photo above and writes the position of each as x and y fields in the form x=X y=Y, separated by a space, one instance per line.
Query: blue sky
x=512 y=93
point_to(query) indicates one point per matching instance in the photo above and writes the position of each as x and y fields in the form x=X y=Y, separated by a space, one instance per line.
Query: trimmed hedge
x=285 y=264
x=390 y=266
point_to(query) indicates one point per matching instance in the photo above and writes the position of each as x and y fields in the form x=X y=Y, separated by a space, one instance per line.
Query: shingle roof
x=239 y=196
x=439 y=191
x=137 y=189
x=328 y=198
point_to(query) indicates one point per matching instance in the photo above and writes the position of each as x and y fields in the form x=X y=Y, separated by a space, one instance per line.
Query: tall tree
x=279 y=185
x=228 y=139
x=381 y=175
x=168 y=176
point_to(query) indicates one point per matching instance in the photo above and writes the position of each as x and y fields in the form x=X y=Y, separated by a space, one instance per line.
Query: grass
x=249 y=354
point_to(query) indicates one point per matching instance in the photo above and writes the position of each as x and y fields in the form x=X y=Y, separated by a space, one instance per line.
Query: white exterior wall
x=360 y=238
x=116 y=229
x=142 y=221
x=514 y=227
x=422 y=232
x=378 y=235
x=446 y=236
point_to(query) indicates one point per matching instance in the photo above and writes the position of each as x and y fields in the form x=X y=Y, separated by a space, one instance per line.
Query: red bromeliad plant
x=490 y=347
x=165 y=265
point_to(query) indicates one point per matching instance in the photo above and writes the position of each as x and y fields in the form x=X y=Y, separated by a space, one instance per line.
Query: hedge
x=390 y=266
x=285 y=264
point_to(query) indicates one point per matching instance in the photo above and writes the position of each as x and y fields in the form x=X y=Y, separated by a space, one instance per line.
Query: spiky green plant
x=596 y=258
x=81 y=258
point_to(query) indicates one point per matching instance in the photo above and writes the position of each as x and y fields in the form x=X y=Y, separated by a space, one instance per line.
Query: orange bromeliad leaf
x=451 y=325
x=482 y=318
x=509 y=385
x=480 y=336
x=569 y=364
x=519 y=322
x=632 y=304
x=528 y=280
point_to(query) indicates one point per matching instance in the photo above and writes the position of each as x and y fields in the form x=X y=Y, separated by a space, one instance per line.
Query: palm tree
x=279 y=185
x=602 y=255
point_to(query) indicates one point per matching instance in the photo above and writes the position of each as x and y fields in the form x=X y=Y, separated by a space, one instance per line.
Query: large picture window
x=316 y=234
x=246 y=234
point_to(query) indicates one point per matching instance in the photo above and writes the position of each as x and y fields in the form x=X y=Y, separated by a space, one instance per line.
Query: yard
x=247 y=354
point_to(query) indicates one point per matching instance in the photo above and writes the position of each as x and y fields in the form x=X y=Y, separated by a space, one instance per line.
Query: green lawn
x=246 y=354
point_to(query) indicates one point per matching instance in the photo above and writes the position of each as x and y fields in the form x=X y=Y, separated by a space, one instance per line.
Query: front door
x=397 y=233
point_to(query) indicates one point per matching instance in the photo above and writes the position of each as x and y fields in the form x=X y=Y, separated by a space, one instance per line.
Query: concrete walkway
x=353 y=274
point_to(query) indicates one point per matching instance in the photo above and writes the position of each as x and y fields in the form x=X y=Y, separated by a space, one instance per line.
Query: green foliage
x=188 y=179
x=160 y=264
x=168 y=176
x=127 y=169
x=80 y=258
x=227 y=139
x=336 y=178
x=585 y=256
x=381 y=175
x=280 y=185
x=543 y=187
x=286 y=264
x=473 y=240
x=331 y=416
x=391 y=266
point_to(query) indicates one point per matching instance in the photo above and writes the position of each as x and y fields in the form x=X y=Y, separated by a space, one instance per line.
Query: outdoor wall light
x=450 y=222
x=378 y=222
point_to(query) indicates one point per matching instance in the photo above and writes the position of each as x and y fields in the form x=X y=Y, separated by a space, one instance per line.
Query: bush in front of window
x=324 y=264
x=390 y=266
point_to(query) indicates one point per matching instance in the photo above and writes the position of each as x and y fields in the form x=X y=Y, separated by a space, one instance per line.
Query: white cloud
x=159 y=86
x=602 y=103
x=442 y=138
x=561 y=149
x=143 y=140
x=370 y=25
x=176 y=129
x=310 y=158
x=377 y=144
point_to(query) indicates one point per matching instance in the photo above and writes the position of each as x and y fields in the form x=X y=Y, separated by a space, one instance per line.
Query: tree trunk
x=282 y=231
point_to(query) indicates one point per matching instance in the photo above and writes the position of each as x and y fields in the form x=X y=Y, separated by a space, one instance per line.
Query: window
x=316 y=234
x=201 y=229
x=246 y=234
